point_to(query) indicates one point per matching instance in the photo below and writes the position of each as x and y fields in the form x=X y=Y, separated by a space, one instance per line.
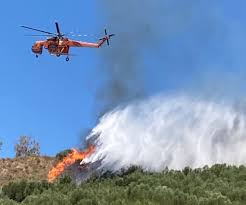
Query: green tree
x=18 y=191
x=15 y=190
x=7 y=202
x=218 y=185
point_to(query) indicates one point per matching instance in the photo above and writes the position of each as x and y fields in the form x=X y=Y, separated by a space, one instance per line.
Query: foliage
x=7 y=201
x=18 y=191
x=27 y=147
x=218 y=185
x=65 y=179
x=46 y=198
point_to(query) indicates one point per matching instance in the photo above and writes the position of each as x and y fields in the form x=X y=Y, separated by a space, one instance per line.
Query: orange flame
x=70 y=159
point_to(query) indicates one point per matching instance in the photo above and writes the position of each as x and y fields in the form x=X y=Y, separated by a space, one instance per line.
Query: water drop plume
x=170 y=131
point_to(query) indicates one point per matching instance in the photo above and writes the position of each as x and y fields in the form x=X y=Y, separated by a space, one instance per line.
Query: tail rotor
x=108 y=37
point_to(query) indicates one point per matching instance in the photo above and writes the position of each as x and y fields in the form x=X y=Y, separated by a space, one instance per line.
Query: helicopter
x=58 y=44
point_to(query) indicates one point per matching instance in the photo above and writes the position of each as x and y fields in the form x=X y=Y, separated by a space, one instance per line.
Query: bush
x=218 y=185
x=65 y=179
x=54 y=198
x=7 y=202
x=18 y=191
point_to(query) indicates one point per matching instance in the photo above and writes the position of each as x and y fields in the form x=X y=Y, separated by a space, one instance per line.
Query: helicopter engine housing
x=37 y=49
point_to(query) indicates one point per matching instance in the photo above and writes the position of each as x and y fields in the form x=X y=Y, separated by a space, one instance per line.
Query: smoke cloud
x=192 y=46
x=173 y=131
x=142 y=28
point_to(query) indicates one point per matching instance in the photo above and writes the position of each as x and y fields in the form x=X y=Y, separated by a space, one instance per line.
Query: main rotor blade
x=58 y=29
x=34 y=29
x=48 y=35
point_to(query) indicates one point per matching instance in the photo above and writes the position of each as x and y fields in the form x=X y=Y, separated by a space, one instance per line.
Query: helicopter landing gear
x=67 y=58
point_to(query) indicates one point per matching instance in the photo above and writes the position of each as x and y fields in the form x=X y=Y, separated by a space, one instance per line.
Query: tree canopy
x=218 y=185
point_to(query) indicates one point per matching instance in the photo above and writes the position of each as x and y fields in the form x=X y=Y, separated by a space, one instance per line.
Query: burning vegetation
x=69 y=160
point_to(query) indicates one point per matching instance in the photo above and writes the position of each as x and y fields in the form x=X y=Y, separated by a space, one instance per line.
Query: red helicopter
x=58 y=44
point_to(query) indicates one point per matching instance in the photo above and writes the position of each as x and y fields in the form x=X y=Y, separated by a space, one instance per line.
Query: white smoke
x=173 y=132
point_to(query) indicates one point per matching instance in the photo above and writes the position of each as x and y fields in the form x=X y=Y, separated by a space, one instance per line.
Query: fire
x=70 y=159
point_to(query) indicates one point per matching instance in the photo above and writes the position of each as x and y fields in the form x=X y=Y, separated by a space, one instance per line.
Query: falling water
x=170 y=131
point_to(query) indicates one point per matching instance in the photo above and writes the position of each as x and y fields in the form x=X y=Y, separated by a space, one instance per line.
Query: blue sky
x=53 y=100
x=46 y=98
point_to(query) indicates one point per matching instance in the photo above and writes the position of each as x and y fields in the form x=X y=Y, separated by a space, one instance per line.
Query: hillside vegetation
x=218 y=185
x=28 y=168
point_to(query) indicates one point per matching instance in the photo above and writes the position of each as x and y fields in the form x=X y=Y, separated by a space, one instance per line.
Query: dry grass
x=29 y=168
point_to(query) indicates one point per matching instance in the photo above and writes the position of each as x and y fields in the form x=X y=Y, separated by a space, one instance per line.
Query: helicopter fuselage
x=54 y=46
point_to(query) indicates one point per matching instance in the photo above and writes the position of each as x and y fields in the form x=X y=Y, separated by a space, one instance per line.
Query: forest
x=217 y=185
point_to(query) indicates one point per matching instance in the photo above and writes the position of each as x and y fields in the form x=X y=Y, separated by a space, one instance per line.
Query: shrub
x=53 y=198
x=7 y=202
x=18 y=191
x=65 y=179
